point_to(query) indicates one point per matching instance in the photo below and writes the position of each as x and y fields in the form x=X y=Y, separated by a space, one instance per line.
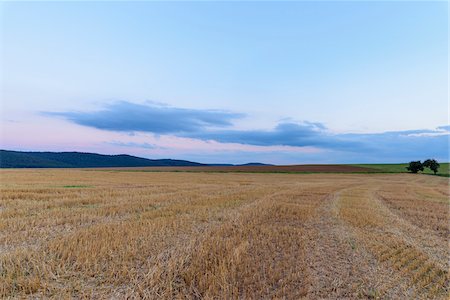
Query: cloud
x=158 y=119
x=134 y=145
x=444 y=128
x=401 y=146
x=215 y=125
x=385 y=146
x=129 y=117
x=284 y=134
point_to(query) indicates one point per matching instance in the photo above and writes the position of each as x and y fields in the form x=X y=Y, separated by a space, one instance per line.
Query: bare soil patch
x=263 y=169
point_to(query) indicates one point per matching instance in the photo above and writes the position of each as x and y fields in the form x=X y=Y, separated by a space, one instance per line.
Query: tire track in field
x=395 y=244
x=435 y=246
x=340 y=266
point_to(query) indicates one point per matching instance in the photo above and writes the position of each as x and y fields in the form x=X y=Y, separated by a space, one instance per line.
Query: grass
x=77 y=186
x=294 y=169
x=172 y=235
x=401 y=168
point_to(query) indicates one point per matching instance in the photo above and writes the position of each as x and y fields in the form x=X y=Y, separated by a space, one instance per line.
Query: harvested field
x=108 y=234
x=261 y=169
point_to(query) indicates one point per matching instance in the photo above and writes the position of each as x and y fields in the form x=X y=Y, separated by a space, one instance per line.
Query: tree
x=432 y=164
x=415 y=166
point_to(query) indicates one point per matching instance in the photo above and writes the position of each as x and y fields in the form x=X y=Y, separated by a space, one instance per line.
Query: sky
x=227 y=82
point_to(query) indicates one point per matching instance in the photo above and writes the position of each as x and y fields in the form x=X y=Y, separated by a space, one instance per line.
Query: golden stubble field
x=109 y=234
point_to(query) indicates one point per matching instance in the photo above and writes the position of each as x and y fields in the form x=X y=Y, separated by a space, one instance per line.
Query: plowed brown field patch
x=261 y=169
x=165 y=235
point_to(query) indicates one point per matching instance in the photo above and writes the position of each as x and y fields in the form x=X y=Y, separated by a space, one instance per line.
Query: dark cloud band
x=212 y=125
x=126 y=116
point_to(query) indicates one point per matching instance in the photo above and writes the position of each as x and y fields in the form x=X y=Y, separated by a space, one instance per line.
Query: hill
x=18 y=159
x=255 y=164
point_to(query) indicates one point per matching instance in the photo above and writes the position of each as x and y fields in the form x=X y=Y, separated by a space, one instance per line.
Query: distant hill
x=18 y=159
x=255 y=164
x=241 y=165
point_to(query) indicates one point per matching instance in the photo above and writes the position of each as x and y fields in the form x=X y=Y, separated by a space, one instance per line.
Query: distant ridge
x=255 y=164
x=241 y=165
x=19 y=159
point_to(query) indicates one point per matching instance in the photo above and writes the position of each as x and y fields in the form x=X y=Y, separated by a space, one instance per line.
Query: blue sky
x=289 y=82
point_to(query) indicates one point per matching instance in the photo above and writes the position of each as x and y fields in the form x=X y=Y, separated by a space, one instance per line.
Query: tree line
x=416 y=166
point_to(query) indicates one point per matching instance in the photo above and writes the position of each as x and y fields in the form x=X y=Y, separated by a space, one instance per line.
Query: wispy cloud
x=444 y=128
x=133 y=145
